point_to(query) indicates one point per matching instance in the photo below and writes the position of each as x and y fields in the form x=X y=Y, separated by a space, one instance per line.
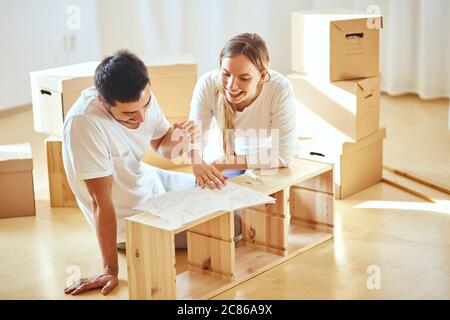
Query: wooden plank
x=60 y=193
x=250 y=261
x=414 y=187
x=150 y=262
x=417 y=179
x=265 y=230
x=210 y=254
x=221 y=228
x=323 y=183
x=312 y=206
x=281 y=205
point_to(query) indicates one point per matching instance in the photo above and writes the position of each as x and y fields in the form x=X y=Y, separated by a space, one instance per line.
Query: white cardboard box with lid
x=54 y=91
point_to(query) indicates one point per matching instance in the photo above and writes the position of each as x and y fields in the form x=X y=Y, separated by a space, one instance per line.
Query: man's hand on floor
x=106 y=281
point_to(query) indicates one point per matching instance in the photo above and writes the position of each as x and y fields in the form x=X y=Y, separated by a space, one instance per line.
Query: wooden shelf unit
x=301 y=218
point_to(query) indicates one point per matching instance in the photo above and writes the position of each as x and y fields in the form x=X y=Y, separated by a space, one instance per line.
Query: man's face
x=131 y=114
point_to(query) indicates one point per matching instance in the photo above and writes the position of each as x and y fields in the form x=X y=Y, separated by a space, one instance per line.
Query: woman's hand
x=207 y=175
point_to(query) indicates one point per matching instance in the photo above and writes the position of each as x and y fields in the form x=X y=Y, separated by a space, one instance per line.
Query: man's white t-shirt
x=266 y=127
x=96 y=145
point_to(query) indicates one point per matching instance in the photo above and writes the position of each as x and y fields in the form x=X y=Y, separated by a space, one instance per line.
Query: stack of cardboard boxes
x=335 y=56
x=54 y=91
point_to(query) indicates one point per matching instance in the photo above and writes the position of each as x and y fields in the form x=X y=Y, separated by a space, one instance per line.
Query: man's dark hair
x=121 y=77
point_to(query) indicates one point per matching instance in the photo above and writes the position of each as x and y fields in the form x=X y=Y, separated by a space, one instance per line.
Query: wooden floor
x=404 y=237
x=418 y=136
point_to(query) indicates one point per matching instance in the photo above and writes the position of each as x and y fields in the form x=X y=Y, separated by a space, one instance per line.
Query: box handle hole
x=358 y=35
x=317 y=154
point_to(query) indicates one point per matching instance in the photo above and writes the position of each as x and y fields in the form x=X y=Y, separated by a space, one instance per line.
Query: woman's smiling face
x=240 y=79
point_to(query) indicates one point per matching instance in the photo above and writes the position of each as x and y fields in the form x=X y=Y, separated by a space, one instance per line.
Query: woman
x=254 y=108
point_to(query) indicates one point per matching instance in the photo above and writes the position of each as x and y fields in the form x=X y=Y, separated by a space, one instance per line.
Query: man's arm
x=100 y=190
x=177 y=140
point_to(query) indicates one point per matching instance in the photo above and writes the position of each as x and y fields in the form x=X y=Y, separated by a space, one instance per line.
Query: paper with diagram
x=182 y=207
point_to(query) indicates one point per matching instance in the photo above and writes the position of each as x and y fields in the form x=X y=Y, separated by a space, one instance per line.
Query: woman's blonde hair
x=255 y=49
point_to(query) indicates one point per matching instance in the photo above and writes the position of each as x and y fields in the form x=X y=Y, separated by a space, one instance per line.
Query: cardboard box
x=335 y=45
x=154 y=159
x=352 y=106
x=54 y=91
x=358 y=165
x=16 y=181
x=172 y=81
x=60 y=193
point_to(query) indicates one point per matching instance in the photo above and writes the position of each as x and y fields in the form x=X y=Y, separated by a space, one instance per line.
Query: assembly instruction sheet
x=181 y=207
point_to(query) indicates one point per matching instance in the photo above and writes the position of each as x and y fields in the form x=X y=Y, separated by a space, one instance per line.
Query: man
x=106 y=133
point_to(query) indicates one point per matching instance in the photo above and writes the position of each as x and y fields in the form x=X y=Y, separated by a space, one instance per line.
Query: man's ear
x=99 y=99
x=102 y=102
x=263 y=76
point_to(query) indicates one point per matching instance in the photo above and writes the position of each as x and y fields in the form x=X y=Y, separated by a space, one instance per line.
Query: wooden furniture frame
x=301 y=218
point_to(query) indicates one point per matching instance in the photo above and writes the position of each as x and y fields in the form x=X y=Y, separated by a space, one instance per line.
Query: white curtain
x=415 y=49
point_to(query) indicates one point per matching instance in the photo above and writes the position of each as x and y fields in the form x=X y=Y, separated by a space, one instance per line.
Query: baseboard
x=18 y=109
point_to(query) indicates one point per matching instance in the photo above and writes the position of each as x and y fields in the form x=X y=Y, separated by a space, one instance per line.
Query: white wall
x=32 y=38
x=198 y=27
x=32 y=32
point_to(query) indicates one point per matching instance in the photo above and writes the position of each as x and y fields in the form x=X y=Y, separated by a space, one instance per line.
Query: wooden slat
x=150 y=262
x=281 y=205
x=417 y=179
x=211 y=254
x=323 y=183
x=265 y=230
x=221 y=227
x=312 y=206
x=60 y=193
x=414 y=187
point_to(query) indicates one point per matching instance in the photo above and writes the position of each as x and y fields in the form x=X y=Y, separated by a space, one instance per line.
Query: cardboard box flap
x=365 y=84
x=374 y=137
x=368 y=84
x=15 y=157
x=359 y=24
